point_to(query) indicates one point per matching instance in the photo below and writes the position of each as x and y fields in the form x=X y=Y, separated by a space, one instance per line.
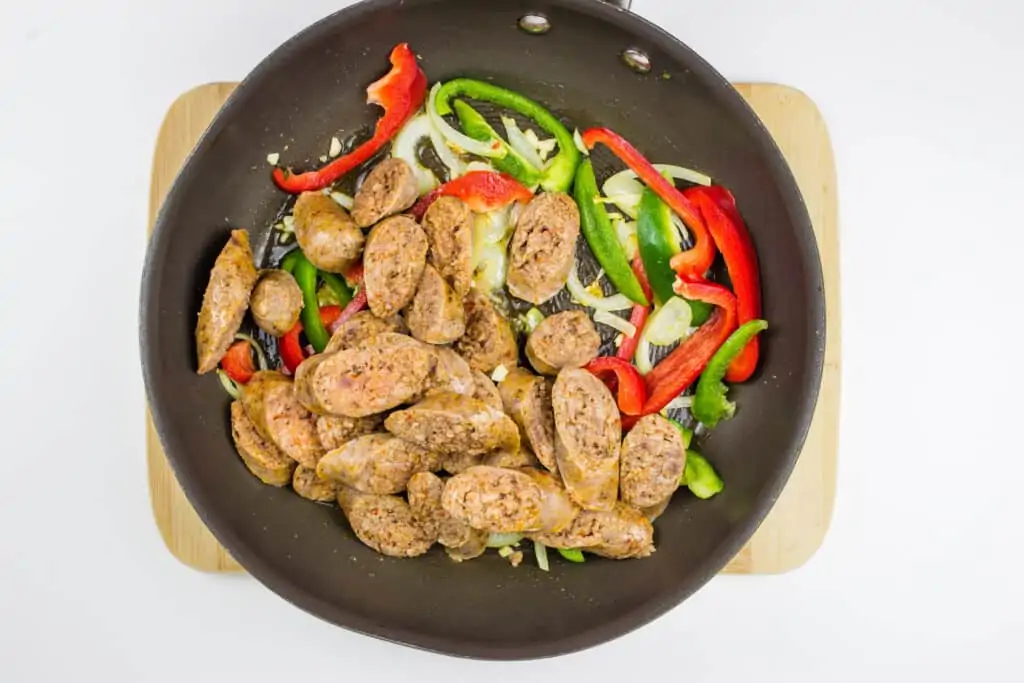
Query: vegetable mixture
x=434 y=363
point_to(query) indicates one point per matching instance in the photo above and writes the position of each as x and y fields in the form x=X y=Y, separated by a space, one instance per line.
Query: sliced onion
x=520 y=143
x=228 y=384
x=618 y=302
x=626 y=232
x=491 y=227
x=611 y=320
x=578 y=140
x=683 y=173
x=642 y=356
x=680 y=402
x=460 y=141
x=450 y=159
x=261 y=358
x=287 y=224
x=544 y=147
x=501 y=540
x=491 y=267
x=404 y=148
x=505 y=551
x=681 y=230
x=670 y=323
x=343 y=200
x=531 y=319
x=541 y=551
x=624 y=190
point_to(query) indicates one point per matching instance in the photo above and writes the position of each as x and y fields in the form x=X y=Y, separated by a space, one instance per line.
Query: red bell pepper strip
x=357 y=304
x=638 y=316
x=622 y=379
x=677 y=371
x=733 y=240
x=695 y=261
x=482 y=191
x=400 y=92
x=290 y=346
x=237 y=362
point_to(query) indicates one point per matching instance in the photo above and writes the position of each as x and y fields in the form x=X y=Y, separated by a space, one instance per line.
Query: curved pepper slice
x=401 y=92
x=482 y=191
x=290 y=346
x=726 y=226
x=475 y=126
x=695 y=261
x=680 y=369
x=623 y=379
x=638 y=316
x=561 y=170
x=316 y=332
x=237 y=362
x=710 y=404
x=700 y=477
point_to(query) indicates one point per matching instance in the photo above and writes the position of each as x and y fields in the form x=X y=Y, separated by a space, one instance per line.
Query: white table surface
x=918 y=575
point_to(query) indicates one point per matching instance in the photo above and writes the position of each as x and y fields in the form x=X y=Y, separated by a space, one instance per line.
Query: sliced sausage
x=225 y=300
x=326 y=233
x=384 y=523
x=436 y=315
x=269 y=401
x=543 y=247
x=361 y=327
x=390 y=188
x=588 y=433
x=619 y=533
x=462 y=542
x=527 y=399
x=511 y=459
x=383 y=373
x=310 y=486
x=336 y=430
x=557 y=510
x=455 y=463
x=276 y=302
x=451 y=374
x=488 y=341
x=376 y=463
x=449 y=423
x=652 y=512
x=303 y=383
x=494 y=499
x=484 y=390
x=563 y=340
x=263 y=458
x=396 y=253
x=652 y=461
x=448 y=223
x=474 y=546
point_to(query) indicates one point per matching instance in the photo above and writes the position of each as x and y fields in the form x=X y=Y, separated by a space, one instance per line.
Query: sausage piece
x=383 y=373
x=652 y=461
x=563 y=340
x=384 y=523
x=456 y=463
x=389 y=188
x=269 y=401
x=326 y=233
x=451 y=424
x=462 y=542
x=543 y=247
x=527 y=399
x=336 y=430
x=225 y=300
x=488 y=341
x=652 y=512
x=494 y=499
x=310 y=486
x=451 y=374
x=361 y=327
x=557 y=510
x=396 y=253
x=263 y=458
x=448 y=223
x=619 y=533
x=588 y=433
x=303 y=383
x=436 y=315
x=484 y=390
x=376 y=463
x=511 y=459
x=276 y=302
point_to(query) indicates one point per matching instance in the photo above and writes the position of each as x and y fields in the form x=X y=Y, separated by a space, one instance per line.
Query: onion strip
x=261 y=358
x=501 y=540
x=489 y=149
x=541 y=551
x=680 y=402
x=611 y=320
x=228 y=384
x=520 y=143
x=404 y=148
x=618 y=302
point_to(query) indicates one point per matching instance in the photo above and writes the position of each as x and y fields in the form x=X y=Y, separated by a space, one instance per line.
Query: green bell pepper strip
x=306 y=276
x=475 y=126
x=658 y=242
x=600 y=235
x=700 y=477
x=572 y=554
x=337 y=286
x=685 y=431
x=558 y=176
x=290 y=260
x=710 y=404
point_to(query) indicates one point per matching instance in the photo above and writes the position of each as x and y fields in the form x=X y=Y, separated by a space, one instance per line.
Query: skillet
x=312 y=87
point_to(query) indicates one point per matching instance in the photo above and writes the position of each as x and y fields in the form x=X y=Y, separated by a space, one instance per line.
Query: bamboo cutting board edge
x=796 y=526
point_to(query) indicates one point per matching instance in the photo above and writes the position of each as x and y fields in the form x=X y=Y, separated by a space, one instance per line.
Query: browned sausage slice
x=527 y=399
x=619 y=533
x=462 y=542
x=449 y=423
x=456 y=463
x=376 y=463
x=384 y=523
x=543 y=247
x=451 y=374
x=557 y=510
x=484 y=390
x=588 y=433
x=303 y=383
x=263 y=458
x=653 y=459
x=654 y=511
x=276 y=302
x=336 y=430
x=269 y=401
x=494 y=499
x=449 y=227
x=563 y=340
x=225 y=300
x=326 y=233
x=510 y=459
x=383 y=373
x=436 y=315
x=396 y=253
x=488 y=341
x=310 y=486
x=388 y=189
x=360 y=328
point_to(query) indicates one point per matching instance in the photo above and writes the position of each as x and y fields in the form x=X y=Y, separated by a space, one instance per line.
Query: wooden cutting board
x=793 y=530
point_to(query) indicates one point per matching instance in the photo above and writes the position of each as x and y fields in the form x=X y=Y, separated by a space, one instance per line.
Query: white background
x=918 y=575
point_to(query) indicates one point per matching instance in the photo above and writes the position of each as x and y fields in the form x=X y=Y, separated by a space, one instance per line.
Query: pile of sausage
x=399 y=421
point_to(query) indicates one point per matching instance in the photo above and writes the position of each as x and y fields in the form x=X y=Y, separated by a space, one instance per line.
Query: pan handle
x=622 y=4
